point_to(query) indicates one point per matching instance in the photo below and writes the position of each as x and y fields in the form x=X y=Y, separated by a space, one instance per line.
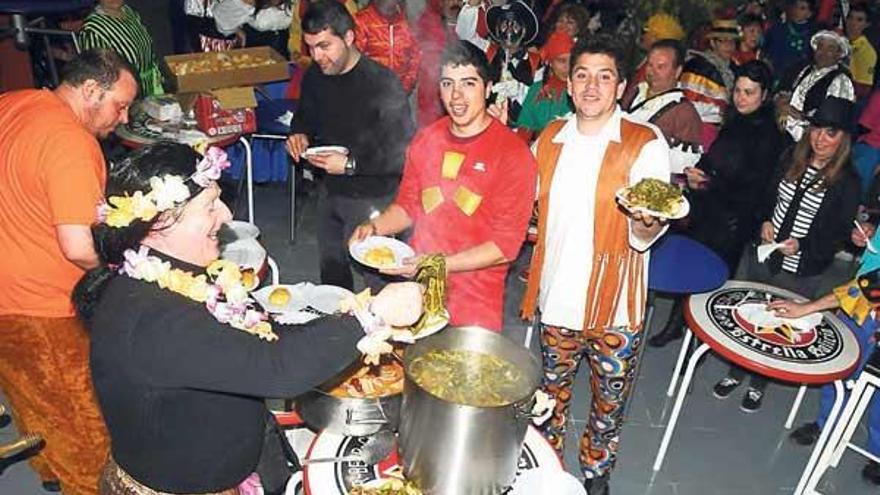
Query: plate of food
x=380 y=252
x=372 y=381
x=386 y=486
x=326 y=298
x=248 y=254
x=429 y=324
x=654 y=197
x=320 y=150
x=282 y=298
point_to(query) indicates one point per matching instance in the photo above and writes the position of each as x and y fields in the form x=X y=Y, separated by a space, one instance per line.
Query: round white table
x=338 y=478
x=826 y=353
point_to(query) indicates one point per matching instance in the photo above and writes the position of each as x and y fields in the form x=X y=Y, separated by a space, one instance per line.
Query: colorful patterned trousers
x=612 y=357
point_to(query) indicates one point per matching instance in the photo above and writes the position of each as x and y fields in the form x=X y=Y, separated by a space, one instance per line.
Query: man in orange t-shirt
x=53 y=178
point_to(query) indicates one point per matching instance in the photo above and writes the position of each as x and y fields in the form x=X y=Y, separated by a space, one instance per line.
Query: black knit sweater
x=183 y=395
x=365 y=110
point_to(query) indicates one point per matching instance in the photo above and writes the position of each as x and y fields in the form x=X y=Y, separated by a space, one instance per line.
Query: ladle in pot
x=376 y=448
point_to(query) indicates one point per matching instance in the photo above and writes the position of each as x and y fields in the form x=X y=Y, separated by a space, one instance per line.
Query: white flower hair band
x=166 y=192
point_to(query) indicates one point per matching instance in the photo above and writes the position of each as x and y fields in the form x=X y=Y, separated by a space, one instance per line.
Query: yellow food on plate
x=249 y=278
x=279 y=296
x=655 y=195
x=380 y=256
x=391 y=486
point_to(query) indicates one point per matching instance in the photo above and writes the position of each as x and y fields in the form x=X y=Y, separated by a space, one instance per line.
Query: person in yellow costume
x=864 y=56
x=660 y=26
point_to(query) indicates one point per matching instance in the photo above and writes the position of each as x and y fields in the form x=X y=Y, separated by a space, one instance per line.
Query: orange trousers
x=44 y=373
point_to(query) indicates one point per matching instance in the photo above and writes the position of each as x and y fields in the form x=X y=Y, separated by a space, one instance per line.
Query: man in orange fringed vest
x=589 y=269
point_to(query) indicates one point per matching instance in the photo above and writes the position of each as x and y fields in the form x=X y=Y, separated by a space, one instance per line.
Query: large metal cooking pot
x=452 y=449
x=348 y=415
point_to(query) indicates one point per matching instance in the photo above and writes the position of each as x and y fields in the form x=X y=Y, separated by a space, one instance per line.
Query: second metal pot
x=349 y=416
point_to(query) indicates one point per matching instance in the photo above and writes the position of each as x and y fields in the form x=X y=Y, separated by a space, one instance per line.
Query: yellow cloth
x=467 y=200
x=432 y=197
x=862 y=61
x=452 y=161
x=853 y=302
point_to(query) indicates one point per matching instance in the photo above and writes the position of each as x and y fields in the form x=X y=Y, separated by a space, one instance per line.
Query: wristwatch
x=350 y=165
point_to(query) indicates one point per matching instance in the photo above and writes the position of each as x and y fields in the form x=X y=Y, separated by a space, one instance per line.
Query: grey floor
x=717 y=449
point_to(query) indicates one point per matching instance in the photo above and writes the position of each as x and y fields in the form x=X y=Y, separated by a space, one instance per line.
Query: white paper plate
x=318 y=150
x=683 y=209
x=248 y=253
x=326 y=298
x=401 y=251
x=759 y=316
x=547 y=481
x=298 y=300
x=432 y=329
x=243 y=230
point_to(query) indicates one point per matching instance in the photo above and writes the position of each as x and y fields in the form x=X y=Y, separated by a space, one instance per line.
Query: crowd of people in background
x=766 y=115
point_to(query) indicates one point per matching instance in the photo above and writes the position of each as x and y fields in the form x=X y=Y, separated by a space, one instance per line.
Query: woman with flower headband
x=181 y=358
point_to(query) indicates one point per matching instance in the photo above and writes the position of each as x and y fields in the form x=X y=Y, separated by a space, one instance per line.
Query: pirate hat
x=833 y=112
x=515 y=10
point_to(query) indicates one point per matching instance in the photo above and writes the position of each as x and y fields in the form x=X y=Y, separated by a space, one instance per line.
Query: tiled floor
x=716 y=450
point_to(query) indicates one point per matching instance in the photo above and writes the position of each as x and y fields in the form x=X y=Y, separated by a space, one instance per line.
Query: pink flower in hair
x=101 y=211
x=211 y=166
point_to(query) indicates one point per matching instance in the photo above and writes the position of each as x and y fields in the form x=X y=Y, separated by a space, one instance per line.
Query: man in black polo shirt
x=347 y=100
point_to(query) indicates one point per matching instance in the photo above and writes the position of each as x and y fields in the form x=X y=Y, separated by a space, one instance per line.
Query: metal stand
x=803 y=486
x=21 y=29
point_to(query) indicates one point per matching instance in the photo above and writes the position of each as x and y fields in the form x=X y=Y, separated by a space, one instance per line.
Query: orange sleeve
x=413 y=57
x=73 y=178
x=360 y=33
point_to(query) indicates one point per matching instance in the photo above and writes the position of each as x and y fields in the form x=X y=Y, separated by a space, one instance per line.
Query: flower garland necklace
x=220 y=288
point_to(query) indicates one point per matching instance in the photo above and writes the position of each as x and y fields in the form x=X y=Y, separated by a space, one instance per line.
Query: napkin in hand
x=765 y=250
x=760 y=316
x=285 y=118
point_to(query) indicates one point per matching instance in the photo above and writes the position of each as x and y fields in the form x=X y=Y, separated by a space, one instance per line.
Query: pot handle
x=353 y=417
x=538 y=409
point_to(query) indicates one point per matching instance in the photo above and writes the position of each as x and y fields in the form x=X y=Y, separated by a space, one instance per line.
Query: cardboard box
x=230 y=76
x=226 y=111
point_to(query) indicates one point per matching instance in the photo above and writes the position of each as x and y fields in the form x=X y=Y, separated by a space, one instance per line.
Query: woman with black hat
x=809 y=217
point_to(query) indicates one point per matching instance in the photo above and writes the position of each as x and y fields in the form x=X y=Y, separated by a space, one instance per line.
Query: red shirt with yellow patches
x=463 y=192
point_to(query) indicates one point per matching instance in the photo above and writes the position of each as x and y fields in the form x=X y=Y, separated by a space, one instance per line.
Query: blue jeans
x=865 y=160
x=864 y=334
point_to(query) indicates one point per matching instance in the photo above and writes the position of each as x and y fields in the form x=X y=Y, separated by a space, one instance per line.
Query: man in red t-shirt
x=467 y=190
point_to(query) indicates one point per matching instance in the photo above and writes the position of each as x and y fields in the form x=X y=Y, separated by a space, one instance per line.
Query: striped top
x=130 y=39
x=809 y=207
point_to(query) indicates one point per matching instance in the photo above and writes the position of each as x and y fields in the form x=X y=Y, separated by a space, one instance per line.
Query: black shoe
x=667 y=335
x=725 y=387
x=598 y=486
x=752 y=400
x=806 y=434
x=871 y=473
x=52 y=486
